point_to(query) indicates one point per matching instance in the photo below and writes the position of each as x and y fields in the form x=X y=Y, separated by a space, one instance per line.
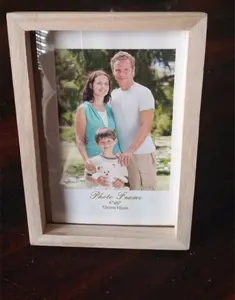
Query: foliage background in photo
x=154 y=69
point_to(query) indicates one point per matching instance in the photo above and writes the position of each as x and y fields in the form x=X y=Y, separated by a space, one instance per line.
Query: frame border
x=136 y=237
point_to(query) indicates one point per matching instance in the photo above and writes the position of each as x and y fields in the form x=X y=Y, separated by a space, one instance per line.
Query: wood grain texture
x=103 y=20
x=206 y=271
x=25 y=103
x=192 y=106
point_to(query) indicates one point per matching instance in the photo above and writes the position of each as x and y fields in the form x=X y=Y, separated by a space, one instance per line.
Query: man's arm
x=146 y=120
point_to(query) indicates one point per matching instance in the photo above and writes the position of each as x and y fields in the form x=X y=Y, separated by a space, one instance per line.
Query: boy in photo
x=109 y=173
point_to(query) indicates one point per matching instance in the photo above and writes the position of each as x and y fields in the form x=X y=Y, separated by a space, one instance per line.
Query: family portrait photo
x=115 y=118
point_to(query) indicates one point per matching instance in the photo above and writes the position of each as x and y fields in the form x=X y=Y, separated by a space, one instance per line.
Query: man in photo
x=133 y=108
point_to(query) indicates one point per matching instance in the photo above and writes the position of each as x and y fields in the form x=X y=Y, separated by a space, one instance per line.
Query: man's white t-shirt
x=126 y=106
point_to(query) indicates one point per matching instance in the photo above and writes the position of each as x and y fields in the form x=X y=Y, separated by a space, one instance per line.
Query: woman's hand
x=89 y=166
x=117 y=184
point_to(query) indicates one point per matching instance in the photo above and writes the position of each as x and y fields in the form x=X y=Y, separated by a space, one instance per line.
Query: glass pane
x=100 y=91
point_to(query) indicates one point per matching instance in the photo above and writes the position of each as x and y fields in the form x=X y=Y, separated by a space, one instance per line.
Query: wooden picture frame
x=43 y=232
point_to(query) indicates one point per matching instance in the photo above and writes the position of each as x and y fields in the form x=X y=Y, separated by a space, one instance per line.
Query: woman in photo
x=92 y=114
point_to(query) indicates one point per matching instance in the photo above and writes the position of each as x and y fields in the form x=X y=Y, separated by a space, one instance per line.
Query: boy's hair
x=103 y=133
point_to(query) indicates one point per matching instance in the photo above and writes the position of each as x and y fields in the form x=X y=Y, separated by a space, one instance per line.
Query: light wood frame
x=40 y=231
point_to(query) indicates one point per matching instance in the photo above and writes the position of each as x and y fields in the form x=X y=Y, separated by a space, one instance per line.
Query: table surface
x=206 y=271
